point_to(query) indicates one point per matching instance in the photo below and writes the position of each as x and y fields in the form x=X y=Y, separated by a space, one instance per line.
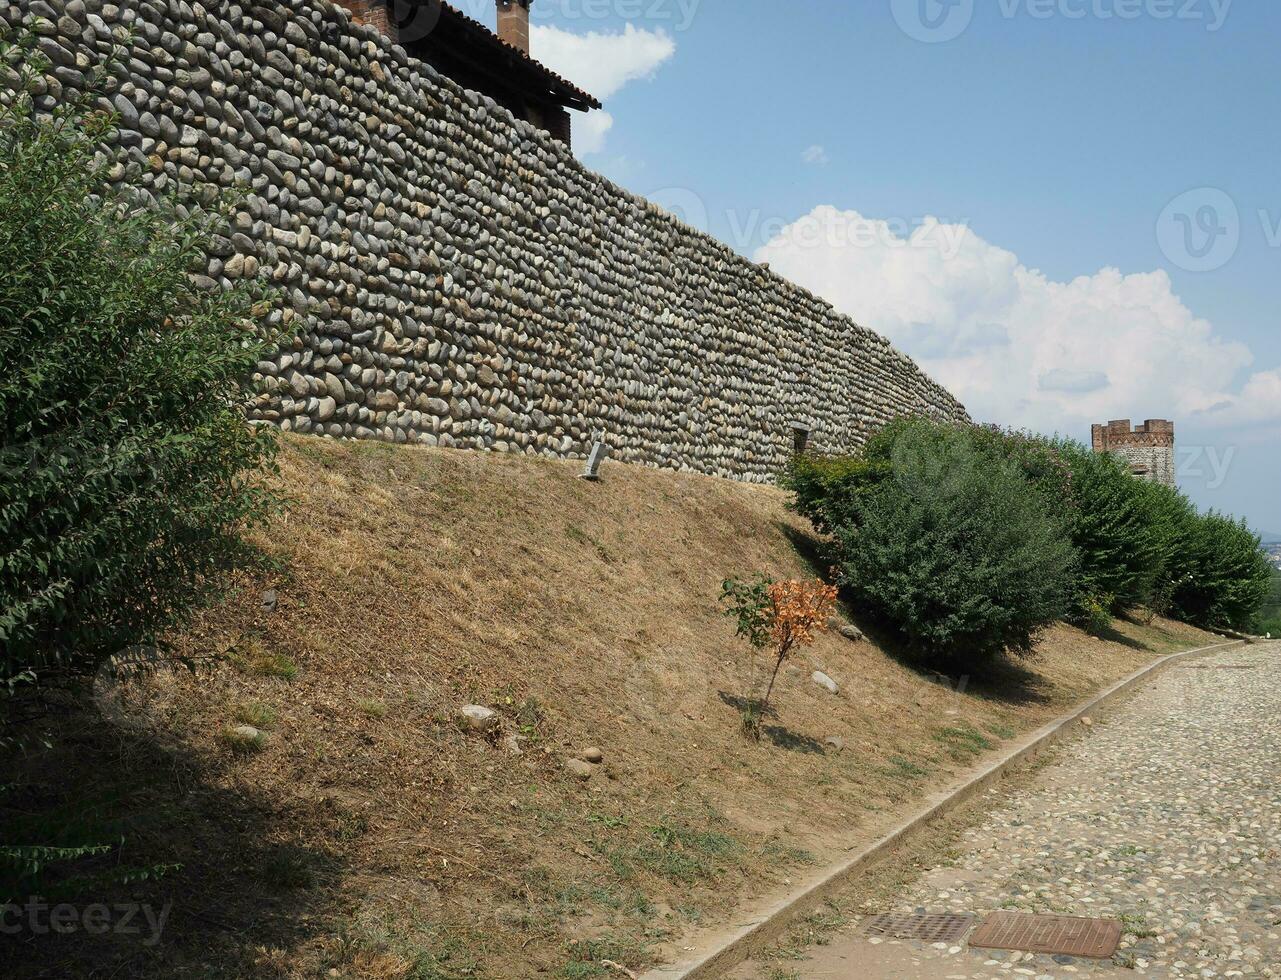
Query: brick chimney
x=513 y=23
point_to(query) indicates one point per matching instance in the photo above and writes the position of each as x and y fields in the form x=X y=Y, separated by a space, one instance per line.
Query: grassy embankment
x=366 y=835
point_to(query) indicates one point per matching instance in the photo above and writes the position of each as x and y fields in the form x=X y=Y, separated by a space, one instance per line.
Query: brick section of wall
x=370 y=13
x=560 y=125
x=1147 y=448
x=458 y=277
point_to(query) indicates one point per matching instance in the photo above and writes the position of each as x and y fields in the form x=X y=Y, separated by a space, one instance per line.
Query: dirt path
x=1166 y=816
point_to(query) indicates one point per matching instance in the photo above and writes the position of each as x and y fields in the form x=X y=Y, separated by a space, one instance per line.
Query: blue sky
x=1103 y=174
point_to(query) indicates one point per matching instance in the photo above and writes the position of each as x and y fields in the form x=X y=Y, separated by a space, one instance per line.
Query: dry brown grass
x=369 y=837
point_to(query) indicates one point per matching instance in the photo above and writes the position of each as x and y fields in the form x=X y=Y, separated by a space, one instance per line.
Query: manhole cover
x=1057 y=934
x=927 y=928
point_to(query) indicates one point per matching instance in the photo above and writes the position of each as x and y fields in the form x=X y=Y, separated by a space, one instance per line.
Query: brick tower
x=1148 y=448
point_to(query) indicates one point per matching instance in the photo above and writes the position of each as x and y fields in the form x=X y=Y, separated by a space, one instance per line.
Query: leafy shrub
x=127 y=471
x=1135 y=543
x=1212 y=570
x=1114 y=531
x=955 y=550
x=1223 y=574
x=1106 y=513
x=1093 y=612
x=1043 y=462
x=780 y=615
x=1269 y=617
x=827 y=488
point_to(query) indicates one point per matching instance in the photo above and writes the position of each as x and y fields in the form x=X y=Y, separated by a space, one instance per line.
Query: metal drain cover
x=926 y=928
x=1056 y=934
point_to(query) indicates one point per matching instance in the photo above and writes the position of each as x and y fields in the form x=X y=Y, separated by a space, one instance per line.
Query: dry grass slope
x=365 y=835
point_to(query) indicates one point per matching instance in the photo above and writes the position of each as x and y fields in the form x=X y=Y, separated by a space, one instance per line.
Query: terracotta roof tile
x=556 y=81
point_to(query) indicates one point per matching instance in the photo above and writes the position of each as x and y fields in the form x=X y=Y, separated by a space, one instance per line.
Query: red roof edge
x=555 y=82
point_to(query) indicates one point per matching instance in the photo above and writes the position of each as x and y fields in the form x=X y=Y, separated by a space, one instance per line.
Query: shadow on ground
x=1005 y=680
x=779 y=735
x=212 y=874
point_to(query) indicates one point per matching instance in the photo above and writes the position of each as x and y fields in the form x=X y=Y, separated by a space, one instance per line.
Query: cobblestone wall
x=461 y=278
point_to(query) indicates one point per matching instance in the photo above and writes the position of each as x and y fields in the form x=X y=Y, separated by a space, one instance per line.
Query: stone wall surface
x=1155 y=463
x=458 y=277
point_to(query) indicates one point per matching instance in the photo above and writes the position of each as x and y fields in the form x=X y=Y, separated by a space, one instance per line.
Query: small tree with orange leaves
x=780 y=615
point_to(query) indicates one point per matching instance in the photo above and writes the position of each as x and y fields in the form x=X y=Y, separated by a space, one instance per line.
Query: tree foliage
x=968 y=540
x=1269 y=618
x=127 y=471
x=1221 y=576
x=955 y=550
x=781 y=615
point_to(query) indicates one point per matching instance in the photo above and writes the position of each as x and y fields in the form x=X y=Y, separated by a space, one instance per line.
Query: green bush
x=127 y=470
x=1212 y=571
x=1043 y=463
x=1269 y=617
x=1107 y=514
x=1172 y=518
x=1223 y=575
x=827 y=489
x=1135 y=543
x=955 y=550
x=1113 y=531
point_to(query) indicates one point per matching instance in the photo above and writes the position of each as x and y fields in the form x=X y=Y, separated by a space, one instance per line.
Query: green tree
x=1112 y=530
x=1269 y=618
x=127 y=470
x=1225 y=576
x=955 y=550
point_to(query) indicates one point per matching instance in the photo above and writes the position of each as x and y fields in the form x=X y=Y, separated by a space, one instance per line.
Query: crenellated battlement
x=1148 y=448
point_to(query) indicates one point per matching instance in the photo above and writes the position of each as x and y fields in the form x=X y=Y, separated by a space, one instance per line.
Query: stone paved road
x=1167 y=815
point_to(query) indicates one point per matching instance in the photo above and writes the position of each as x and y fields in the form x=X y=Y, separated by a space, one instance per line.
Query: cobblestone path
x=1166 y=815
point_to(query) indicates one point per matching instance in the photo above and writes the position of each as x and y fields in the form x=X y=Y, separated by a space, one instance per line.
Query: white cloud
x=1017 y=347
x=601 y=63
x=816 y=155
x=590 y=131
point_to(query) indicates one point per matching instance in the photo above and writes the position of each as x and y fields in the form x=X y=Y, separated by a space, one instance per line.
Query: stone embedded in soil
x=477 y=718
x=593 y=755
x=851 y=632
x=245 y=738
x=835 y=742
x=577 y=767
x=823 y=681
x=269 y=600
